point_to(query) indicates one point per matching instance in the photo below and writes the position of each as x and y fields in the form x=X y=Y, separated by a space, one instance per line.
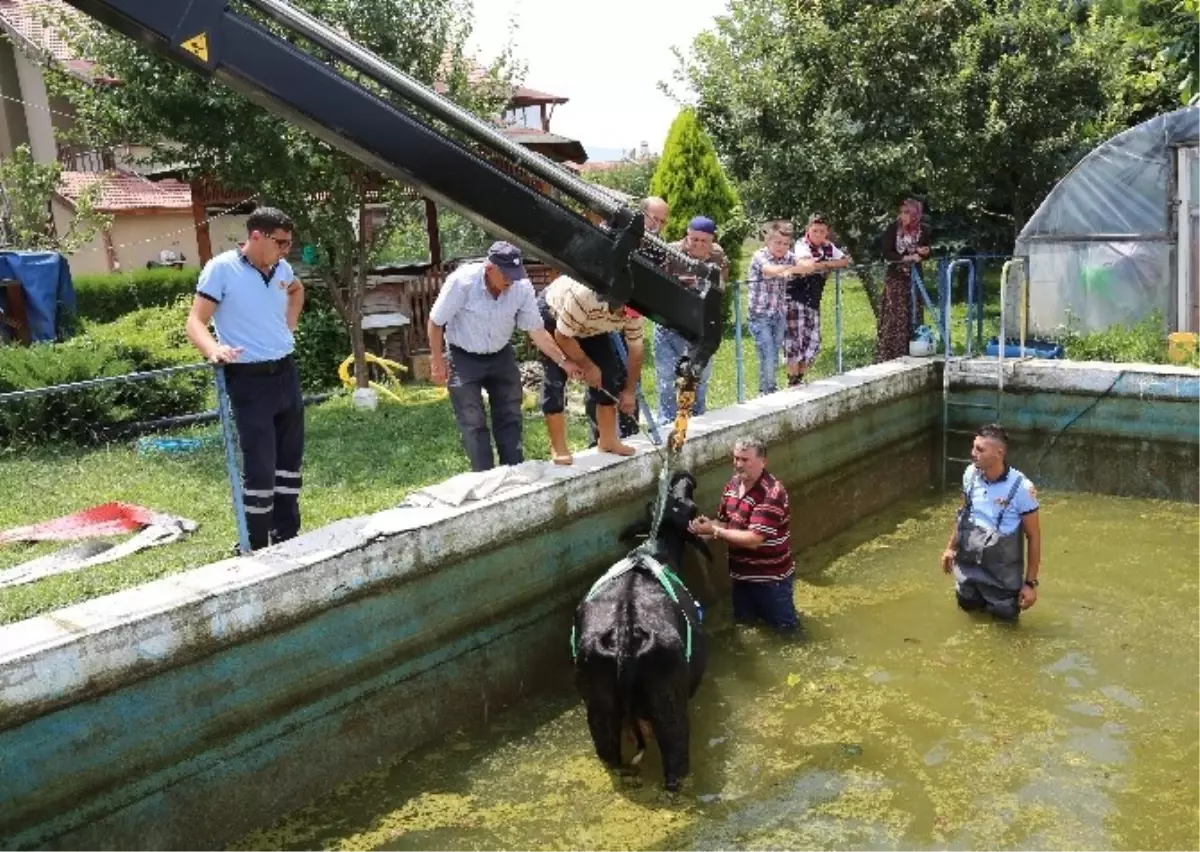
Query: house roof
x=551 y=144
x=125 y=192
x=28 y=24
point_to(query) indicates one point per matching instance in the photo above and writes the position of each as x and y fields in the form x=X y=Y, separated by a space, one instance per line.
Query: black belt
x=260 y=368
x=454 y=349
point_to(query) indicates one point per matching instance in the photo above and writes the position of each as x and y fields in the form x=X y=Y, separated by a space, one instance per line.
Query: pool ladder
x=996 y=410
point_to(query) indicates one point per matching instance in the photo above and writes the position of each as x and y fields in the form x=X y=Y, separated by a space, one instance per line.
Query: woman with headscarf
x=905 y=242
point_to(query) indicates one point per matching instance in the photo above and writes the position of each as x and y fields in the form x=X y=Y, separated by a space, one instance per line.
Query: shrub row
x=144 y=339
x=106 y=298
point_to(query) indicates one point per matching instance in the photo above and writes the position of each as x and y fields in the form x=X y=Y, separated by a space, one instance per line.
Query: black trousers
x=268 y=410
x=599 y=349
x=498 y=374
x=627 y=423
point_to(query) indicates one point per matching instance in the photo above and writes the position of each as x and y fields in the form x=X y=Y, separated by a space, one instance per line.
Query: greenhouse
x=1116 y=240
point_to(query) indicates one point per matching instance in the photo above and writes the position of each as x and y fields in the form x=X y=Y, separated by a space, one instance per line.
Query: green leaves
x=26 y=190
x=847 y=107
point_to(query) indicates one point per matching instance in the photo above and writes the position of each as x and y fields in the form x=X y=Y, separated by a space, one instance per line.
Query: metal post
x=619 y=345
x=737 y=337
x=837 y=315
x=231 y=466
x=1024 y=303
x=1003 y=339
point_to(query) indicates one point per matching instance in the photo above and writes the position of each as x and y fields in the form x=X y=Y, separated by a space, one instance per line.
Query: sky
x=606 y=57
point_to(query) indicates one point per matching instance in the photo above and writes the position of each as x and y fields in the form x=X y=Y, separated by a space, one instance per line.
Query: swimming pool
x=899 y=723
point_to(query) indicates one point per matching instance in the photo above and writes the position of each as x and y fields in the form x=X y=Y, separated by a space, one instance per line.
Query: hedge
x=105 y=298
x=88 y=415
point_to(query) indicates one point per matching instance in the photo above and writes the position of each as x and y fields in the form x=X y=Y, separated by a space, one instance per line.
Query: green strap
x=661 y=572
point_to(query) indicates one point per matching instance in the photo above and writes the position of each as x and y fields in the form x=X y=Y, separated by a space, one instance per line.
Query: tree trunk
x=358 y=289
x=872 y=286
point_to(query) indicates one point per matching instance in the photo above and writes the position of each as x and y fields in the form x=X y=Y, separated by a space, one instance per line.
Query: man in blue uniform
x=253 y=299
x=992 y=569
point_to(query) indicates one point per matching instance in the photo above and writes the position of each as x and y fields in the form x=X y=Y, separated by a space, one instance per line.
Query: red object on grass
x=104 y=520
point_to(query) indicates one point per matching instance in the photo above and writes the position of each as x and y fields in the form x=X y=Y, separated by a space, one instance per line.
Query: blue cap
x=703 y=223
x=507 y=258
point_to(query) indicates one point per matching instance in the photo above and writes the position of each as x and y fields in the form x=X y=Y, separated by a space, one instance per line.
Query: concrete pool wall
x=190 y=710
x=1132 y=430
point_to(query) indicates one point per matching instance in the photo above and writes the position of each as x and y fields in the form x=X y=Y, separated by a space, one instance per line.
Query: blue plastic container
x=1033 y=348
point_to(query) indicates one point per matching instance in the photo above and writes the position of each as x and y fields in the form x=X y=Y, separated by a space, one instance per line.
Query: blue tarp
x=49 y=294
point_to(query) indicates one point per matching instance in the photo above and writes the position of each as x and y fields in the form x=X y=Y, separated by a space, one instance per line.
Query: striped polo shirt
x=762 y=509
x=579 y=312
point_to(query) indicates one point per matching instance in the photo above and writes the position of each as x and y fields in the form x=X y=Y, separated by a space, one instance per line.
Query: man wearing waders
x=253 y=299
x=999 y=513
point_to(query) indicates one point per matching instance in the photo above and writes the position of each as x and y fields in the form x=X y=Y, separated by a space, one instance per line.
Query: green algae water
x=899 y=722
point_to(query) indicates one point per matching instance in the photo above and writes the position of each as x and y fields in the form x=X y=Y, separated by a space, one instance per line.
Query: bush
x=152 y=335
x=88 y=415
x=1144 y=342
x=322 y=343
x=105 y=298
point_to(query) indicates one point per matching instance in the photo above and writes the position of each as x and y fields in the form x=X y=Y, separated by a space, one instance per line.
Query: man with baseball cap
x=669 y=346
x=470 y=337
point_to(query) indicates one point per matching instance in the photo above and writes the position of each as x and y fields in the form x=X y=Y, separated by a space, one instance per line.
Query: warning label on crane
x=197 y=46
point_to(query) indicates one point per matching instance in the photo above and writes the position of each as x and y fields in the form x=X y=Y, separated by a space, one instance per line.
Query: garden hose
x=389 y=367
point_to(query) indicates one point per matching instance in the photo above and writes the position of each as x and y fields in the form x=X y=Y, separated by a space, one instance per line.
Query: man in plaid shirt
x=815 y=256
x=770 y=269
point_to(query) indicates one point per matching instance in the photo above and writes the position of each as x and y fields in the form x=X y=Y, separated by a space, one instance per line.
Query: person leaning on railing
x=669 y=346
x=253 y=299
x=905 y=242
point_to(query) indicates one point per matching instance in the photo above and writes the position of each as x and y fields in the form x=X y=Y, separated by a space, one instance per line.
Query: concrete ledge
x=1125 y=429
x=1087 y=378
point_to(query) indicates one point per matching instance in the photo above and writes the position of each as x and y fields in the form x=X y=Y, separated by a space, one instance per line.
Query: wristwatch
x=1033 y=584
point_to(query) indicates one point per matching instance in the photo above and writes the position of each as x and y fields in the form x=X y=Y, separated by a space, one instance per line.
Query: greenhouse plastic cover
x=1121 y=186
x=1120 y=189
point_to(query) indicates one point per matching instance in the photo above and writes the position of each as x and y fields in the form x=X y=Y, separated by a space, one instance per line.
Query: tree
x=27 y=189
x=690 y=179
x=223 y=135
x=631 y=177
x=847 y=107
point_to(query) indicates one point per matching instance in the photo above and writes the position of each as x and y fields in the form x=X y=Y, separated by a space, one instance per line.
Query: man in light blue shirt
x=252 y=298
x=474 y=317
x=991 y=568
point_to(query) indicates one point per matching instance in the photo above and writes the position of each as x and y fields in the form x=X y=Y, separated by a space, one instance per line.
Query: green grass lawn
x=355 y=462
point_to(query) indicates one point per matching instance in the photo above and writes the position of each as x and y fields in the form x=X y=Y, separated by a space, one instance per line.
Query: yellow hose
x=389 y=367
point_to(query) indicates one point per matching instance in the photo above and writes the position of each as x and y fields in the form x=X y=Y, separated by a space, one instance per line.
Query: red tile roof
x=33 y=26
x=122 y=192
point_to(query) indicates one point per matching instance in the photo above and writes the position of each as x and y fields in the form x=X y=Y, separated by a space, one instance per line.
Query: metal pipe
x=737 y=336
x=1024 y=303
x=418 y=93
x=837 y=315
x=1003 y=340
x=231 y=467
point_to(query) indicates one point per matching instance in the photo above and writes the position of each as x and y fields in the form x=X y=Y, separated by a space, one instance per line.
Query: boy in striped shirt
x=754 y=521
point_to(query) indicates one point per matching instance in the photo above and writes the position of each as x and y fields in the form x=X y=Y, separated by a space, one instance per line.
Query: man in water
x=754 y=521
x=992 y=571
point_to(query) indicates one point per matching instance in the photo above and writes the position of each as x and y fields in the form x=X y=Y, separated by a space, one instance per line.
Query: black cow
x=632 y=663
